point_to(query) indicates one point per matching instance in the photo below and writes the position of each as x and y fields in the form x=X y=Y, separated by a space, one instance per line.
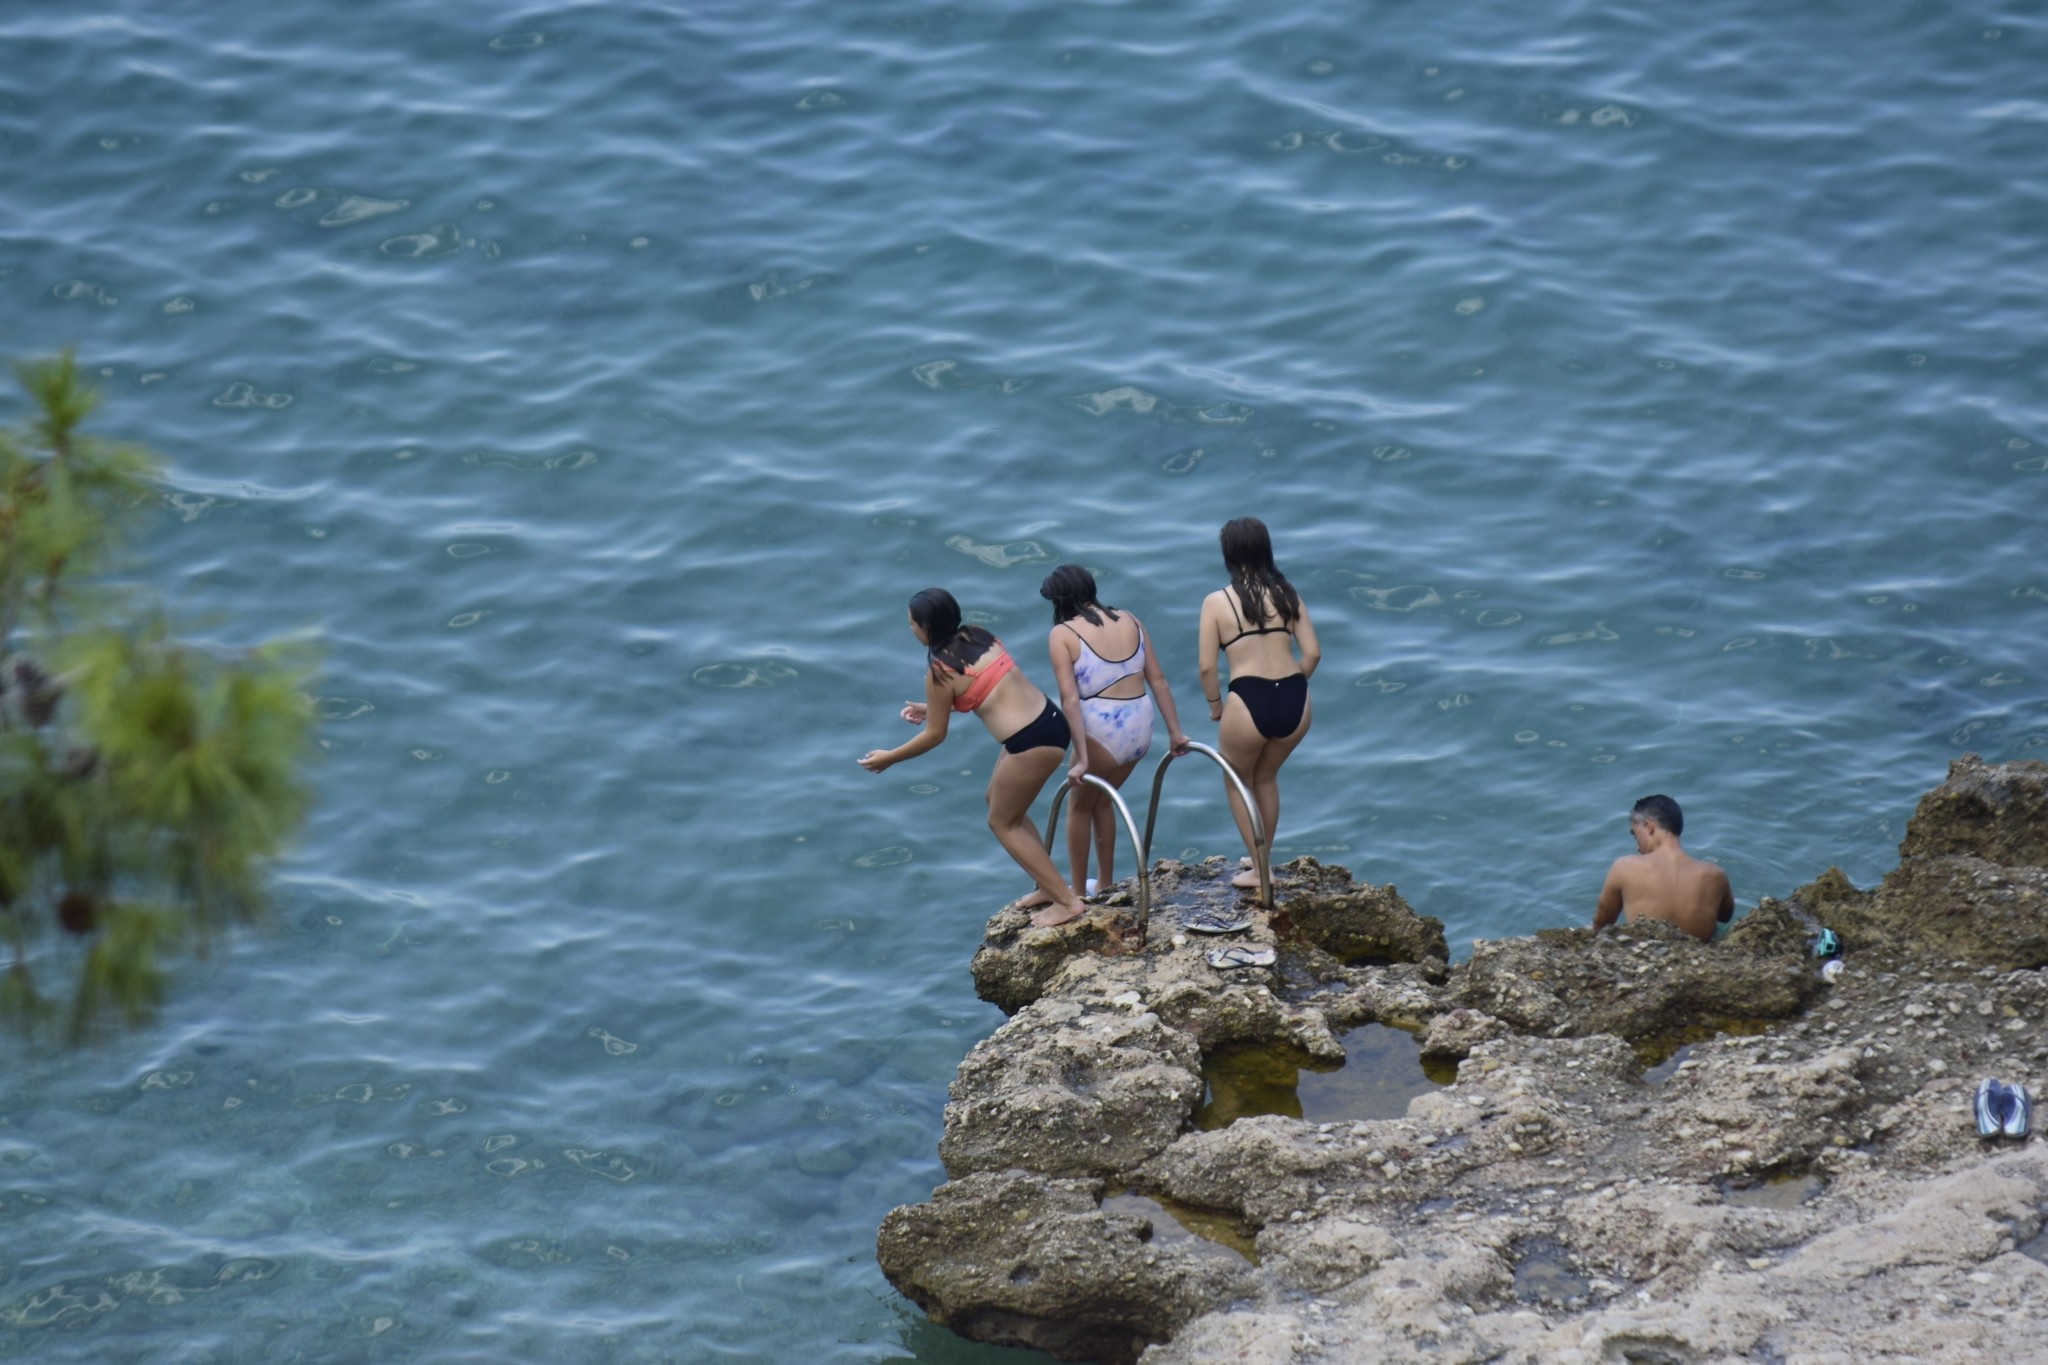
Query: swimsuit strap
x=1241 y=631
x=1138 y=654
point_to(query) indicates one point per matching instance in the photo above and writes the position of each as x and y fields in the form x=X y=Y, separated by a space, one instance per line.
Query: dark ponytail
x=1071 y=590
x=1264 y=590
x=950 y=646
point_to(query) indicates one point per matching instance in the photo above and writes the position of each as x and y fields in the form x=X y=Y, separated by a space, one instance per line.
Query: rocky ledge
x=1650 y=1149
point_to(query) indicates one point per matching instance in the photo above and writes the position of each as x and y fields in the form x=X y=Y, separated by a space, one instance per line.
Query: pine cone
x=39 y=692
x=78 y=912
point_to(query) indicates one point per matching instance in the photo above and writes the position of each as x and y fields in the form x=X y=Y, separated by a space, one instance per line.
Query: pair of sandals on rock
x=2002 y=1110
x=1235 y=954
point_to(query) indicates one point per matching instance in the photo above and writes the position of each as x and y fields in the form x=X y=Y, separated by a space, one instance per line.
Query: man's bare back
x=1661 y=881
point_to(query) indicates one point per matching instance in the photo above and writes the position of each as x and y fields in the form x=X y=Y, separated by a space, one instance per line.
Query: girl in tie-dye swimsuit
x=1109 y=679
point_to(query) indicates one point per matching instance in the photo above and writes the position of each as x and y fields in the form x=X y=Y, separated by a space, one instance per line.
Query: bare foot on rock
x=1246 y=881
x=1030 y=900
x=1055 y=916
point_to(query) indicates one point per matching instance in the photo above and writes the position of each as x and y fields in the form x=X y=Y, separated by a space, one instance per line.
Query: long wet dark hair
x=1264 y=590
x=950 y=646
x=1071 y=590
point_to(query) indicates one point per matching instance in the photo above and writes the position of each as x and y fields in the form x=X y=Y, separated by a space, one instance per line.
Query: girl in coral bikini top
x=967 y=669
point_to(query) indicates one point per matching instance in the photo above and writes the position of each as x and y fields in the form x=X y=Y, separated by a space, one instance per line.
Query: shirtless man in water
x=1662 y=881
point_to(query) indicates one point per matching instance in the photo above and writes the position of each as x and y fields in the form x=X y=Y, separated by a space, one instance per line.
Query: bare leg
x=1264 y=781
x=1105 y=811
x=1105 y=841
x=1242 y=747
x=1082 y=804
x=1012 y=788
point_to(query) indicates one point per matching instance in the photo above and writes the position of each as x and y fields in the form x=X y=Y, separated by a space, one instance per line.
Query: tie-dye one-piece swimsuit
x=1122 y=725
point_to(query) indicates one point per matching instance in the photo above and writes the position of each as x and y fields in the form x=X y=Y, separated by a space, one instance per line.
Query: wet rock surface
x=1653 y=1149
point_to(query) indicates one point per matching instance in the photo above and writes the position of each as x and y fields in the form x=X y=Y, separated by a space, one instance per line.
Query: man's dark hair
x=1660 y=811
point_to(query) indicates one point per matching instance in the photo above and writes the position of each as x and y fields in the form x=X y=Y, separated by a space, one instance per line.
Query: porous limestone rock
x=1766 y=1116
x=1023 y=1260
x=1643 y=980
x=1997 y=812
x=1326 y=1253
x=1071 y=1088
x=1955 y=907
x=1364 y=924
x=1016 y=960
x=1972 y=879
x=1453 y=1034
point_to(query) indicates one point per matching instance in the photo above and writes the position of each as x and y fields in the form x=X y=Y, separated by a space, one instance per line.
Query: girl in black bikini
x=1255 y=623
x=969 y=670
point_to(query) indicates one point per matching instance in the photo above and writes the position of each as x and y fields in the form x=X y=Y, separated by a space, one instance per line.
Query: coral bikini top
x=985 y=677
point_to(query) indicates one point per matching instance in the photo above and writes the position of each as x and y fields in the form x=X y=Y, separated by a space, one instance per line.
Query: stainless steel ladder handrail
x=1261 y=855
x=1052 y=825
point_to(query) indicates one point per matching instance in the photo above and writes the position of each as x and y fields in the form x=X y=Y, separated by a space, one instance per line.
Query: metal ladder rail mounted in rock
x=1261 y=854
x=1052 y=825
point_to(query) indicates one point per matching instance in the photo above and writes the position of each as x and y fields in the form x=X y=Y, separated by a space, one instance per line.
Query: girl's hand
x=915 y=712
x=1216 y=709
x=1178 y=744
x=1078 y=771
x=875 y=760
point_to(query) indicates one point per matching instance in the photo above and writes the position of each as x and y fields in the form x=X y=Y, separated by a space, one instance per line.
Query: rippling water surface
x=1643 y=399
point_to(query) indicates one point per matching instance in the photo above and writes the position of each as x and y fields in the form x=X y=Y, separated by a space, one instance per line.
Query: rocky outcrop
x=1651 y=1149
x=1995 y=812
x=1642 y=980
x=1361 y=924
x=1016 y=962
x=1022 y=1260
x=1972 y=879
x=1071 y=1088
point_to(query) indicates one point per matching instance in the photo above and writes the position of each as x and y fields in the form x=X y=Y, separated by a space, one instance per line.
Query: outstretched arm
x=938 y=710
x=1609 y=908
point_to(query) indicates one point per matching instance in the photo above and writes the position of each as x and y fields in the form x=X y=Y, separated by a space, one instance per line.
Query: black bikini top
x=1242 y=632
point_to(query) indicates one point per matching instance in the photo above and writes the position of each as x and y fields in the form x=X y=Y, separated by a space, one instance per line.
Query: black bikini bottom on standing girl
x=1049 y=731
x=1276 y=704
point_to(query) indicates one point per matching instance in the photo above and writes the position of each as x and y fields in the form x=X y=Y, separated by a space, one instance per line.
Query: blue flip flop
x=1989 y=1107
x=1217 y=922
x=2019 y=1111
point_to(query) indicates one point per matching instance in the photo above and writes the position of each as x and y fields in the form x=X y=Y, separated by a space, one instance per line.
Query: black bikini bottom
x=1276 y=704
x=1049 y=731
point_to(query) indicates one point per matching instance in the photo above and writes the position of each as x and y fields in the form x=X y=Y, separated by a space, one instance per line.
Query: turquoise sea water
x=1643 y=398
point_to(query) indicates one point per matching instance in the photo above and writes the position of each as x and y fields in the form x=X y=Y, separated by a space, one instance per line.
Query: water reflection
x=1381 y=1072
